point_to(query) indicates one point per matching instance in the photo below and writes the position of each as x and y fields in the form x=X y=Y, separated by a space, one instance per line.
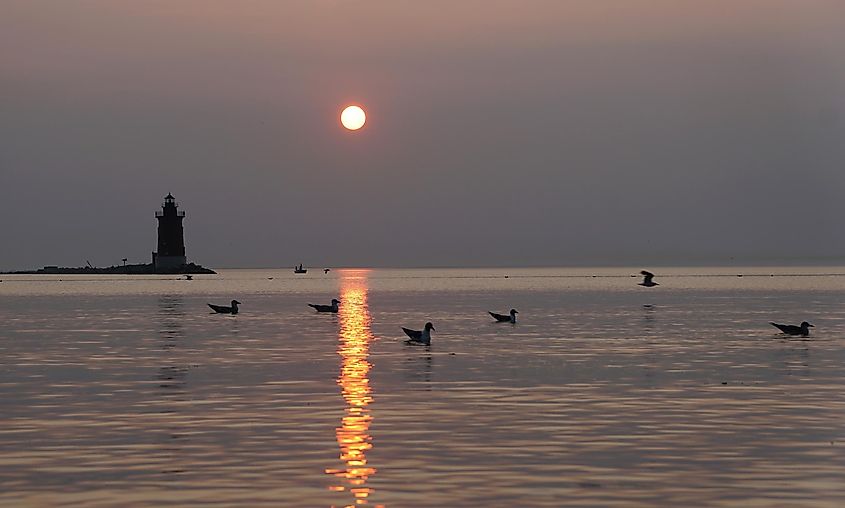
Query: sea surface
x=128 y=391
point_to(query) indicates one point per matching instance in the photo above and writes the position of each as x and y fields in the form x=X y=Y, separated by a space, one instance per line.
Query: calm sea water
x=119 y=391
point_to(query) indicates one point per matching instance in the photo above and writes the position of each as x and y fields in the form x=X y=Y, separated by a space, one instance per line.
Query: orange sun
x=353 y=118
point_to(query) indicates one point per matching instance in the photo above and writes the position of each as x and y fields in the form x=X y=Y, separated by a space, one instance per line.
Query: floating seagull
x=504 y=318
x=326 y=308
x=189 y=277
x=326 y=270
x=223 y=309
x=419 y=337
x=803 y=330
x=647 y=282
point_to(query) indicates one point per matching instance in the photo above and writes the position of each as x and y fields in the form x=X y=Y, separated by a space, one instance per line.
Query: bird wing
x=785 y=328
x=647 y=276
x=413 y=334
x=219 y=308
x=320 y=308
x=499 y=317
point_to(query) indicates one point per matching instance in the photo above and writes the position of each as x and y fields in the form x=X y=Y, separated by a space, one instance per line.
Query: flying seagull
x=647 y=279
x=803 y=330
x=419 y=337
x=504 y=318
x=225 y=309
x=326 y=308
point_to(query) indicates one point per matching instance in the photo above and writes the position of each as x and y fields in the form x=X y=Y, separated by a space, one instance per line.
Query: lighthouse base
x=168 y=262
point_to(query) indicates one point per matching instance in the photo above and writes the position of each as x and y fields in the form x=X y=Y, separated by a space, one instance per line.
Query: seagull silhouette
x=326 y=308
x=505 y=318
x=224 y=309
x=419 y=337
x=803 y=330
x=647 y=280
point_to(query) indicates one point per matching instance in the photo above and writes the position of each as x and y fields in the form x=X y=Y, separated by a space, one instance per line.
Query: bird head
x=806 y=325
x=514 y=311
x=335 y=301
x=235 y=302
x=429 y=326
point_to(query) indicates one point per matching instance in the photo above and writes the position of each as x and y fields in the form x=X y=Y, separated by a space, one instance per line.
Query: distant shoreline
x=140 y=269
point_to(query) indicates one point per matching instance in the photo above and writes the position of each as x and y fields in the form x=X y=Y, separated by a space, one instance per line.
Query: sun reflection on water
x=354 y=348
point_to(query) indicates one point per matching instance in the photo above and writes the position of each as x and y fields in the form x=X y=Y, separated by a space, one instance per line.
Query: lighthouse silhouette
x=171 y=237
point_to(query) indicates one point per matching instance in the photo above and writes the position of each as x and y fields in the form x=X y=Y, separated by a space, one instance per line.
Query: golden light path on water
x=354 y=348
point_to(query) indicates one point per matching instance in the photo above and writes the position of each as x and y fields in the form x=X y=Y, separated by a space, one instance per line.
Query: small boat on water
x=299 y=269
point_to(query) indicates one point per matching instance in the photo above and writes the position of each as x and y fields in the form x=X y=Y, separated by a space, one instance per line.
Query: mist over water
x=127 y=391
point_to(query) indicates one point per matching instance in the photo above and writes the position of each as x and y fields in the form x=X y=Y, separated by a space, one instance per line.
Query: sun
x=353 y=118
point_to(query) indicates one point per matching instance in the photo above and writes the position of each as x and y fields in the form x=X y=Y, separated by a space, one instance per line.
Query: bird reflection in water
x=171 y=315
x=354 y=348
x=417 y=371
x=172 y=378
x=648 y=316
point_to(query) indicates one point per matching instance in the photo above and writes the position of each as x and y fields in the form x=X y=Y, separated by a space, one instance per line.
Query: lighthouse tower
x=171 y=238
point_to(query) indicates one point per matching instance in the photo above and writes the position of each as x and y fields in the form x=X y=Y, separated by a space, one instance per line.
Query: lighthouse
x=171 y=238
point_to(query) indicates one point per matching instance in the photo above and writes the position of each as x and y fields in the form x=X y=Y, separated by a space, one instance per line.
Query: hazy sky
x=499 y=132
